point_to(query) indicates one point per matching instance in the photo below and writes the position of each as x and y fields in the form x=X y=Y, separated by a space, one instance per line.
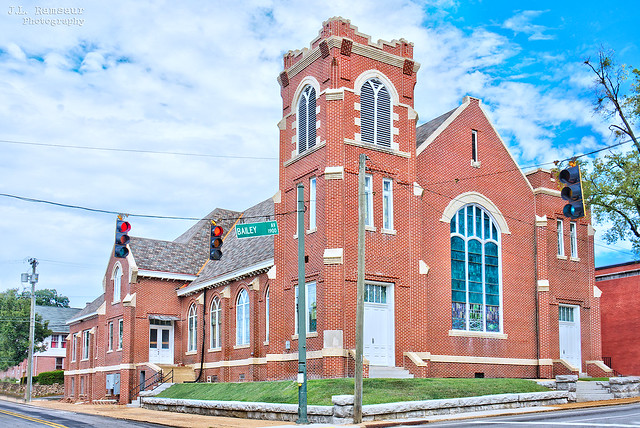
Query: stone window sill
x=241 y=346
x=312 y=334
x=480 y=334
x=191 y=353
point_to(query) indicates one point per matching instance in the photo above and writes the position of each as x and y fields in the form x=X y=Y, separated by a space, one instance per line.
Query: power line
x=154 y=152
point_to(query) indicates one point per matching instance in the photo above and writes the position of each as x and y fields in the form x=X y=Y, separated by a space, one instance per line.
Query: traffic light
x=215 y=252
x=122 y=239
x=572 y=192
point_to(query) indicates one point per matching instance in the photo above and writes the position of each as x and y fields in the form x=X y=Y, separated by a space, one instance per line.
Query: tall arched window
x=307 y=119
x=475 y=270
x=266 y=298
x=375 y=113
x=216 y=322
x=242 y=318
x=192 y=320
x=117 y=281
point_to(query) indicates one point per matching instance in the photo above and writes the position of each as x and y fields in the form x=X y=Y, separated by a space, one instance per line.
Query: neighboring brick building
x=471 y=270
x=52 y=358
x=620 y=285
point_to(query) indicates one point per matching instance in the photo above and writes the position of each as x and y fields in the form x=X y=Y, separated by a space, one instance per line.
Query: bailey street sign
x=251 y=230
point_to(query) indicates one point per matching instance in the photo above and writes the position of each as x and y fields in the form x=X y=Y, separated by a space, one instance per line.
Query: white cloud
x=521 y=23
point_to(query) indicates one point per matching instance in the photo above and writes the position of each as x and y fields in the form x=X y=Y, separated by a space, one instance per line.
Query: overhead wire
x=154 y=152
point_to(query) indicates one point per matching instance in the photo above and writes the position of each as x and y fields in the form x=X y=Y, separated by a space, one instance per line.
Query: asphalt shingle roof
x=242 y=253
x=187 y=253
x=89 y=309
x=57 y=317
x=426 y=129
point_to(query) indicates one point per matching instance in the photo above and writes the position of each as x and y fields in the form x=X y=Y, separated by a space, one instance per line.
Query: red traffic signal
x=122 y=239
x=215 y=252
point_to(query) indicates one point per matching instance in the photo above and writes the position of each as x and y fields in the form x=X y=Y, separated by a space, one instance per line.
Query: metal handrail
x=154 y=380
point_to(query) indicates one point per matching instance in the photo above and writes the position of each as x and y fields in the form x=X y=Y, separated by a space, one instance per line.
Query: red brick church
x=471 y=269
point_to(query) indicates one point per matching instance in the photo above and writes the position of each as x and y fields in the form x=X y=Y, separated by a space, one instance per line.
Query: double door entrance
x=161 y=342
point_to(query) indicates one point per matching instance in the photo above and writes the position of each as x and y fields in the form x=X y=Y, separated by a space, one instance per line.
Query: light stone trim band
x=100 y=369
x=427 y=356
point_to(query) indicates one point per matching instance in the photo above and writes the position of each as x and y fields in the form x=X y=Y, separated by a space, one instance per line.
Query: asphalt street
x=24 y=415
x=627 y=416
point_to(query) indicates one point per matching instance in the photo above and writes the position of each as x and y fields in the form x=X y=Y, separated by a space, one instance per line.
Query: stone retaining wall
x=342 y=410
x=624 y=387
x=16 y=390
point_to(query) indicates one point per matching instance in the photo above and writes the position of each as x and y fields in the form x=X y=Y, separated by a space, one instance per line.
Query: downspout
x=535 y=285
x=204 y=324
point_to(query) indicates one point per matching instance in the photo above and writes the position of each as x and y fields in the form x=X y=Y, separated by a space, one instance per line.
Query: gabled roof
x=239 y=255
x=57 y=317
x=187 y=253
x=425 y=130
x=88 y=311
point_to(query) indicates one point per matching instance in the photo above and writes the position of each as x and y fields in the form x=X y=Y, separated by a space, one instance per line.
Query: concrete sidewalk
x=198 y=421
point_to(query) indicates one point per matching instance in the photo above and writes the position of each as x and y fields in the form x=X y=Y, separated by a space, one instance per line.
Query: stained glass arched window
x=475 y=271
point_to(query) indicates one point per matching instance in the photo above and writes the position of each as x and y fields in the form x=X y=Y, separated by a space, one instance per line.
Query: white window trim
x=368 y=191
x=241 y=334
x=306 y=305
x=192 y=329
x=110 y=337
x=573 y=232
x=74 y=350
x=86 y=341
x=117 y=283
x=218 y=324
x=474 y=145
x=266 y=314
x=120 y=334
x=560 y=231
x=313 y=183
x=387 y=213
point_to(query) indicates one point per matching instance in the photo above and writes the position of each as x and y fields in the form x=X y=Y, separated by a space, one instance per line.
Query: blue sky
x=201 y=78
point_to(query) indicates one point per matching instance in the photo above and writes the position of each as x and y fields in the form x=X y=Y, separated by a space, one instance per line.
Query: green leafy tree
x=613 y=182
x=14 y=328
x=48 y=297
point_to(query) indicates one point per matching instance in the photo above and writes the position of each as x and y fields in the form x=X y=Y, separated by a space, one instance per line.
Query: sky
x=199 y=79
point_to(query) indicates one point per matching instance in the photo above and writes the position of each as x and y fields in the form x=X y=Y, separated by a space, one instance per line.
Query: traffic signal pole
x=357 y=399
x=302 y=310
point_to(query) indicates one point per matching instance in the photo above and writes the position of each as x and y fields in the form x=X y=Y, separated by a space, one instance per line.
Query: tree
x=14 y=328
x=613 y=182
x=49 y=297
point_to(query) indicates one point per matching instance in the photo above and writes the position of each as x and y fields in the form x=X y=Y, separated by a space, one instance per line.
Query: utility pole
x=302 y=310
x=357 y=399
x=33 y=279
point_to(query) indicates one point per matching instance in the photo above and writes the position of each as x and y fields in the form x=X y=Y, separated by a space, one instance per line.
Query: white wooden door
x=570 y=348
x=378 y=325
x=161 y=344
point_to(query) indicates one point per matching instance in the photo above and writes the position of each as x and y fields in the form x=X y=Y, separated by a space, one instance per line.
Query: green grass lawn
x=376 y=391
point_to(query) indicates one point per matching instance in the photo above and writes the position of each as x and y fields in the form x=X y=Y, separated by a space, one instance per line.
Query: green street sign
x=251 y=230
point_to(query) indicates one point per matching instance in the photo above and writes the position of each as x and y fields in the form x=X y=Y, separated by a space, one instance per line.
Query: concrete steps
x=389 y=372
x=181 y=374
x=592 y=391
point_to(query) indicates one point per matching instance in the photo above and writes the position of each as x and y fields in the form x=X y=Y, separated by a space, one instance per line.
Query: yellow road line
x=29 y=418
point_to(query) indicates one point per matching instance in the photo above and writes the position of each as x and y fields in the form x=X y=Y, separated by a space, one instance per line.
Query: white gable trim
x=465 y=103
x=223 y=279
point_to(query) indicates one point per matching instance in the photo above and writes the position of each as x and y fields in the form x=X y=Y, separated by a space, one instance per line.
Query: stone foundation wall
x=342 y=410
